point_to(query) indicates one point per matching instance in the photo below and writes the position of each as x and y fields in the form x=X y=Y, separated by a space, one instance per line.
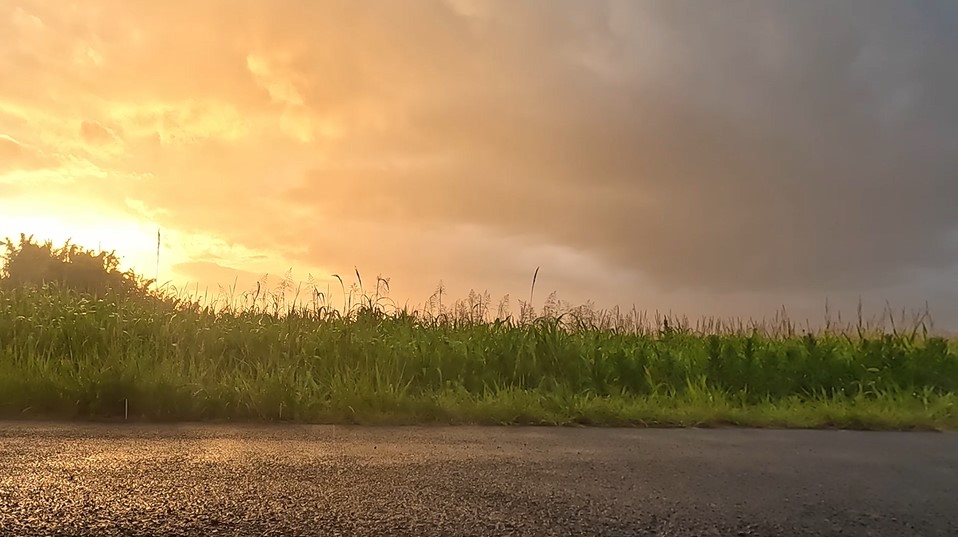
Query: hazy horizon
x=705 y=162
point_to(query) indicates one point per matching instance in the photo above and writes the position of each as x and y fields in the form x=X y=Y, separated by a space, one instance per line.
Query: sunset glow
x=637 y=152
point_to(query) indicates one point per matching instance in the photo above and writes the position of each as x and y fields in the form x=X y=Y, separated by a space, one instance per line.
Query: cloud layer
x=756 y=155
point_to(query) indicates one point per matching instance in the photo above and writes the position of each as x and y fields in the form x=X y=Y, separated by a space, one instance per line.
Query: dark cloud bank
x=763 y=146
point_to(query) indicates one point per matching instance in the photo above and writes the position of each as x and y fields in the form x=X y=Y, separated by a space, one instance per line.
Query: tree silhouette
x=29 y=263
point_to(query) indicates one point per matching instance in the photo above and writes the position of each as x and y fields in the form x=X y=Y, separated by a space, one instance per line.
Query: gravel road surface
x=141 y=479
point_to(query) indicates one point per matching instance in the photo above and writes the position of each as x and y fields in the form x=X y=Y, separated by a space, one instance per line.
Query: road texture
x=96 y=479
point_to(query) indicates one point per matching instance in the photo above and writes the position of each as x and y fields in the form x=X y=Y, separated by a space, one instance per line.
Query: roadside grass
x=162 y=357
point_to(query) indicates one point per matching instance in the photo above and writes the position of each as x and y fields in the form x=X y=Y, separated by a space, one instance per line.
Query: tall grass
x=258 y=355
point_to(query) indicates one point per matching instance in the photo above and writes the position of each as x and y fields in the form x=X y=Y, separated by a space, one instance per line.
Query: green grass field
x=65 y=355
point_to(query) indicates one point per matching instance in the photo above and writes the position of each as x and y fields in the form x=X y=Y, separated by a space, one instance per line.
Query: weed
x=259 y=356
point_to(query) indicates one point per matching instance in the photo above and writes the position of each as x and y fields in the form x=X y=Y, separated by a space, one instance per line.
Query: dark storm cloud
x=807 y=145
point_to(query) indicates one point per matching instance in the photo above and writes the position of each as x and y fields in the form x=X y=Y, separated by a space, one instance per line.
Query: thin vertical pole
x=157 y=255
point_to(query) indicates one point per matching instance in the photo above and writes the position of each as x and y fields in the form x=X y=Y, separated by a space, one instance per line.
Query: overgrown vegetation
x=28 y=263
x=82 y=340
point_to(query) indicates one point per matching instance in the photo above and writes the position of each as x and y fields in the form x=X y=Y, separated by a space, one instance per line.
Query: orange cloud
x=94 y=132
x=738 y=161
x=17 y=156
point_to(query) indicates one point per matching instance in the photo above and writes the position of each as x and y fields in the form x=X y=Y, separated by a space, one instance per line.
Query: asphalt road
x=68 y=479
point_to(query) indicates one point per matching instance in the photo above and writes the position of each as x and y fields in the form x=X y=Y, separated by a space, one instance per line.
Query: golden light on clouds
x=59 y=221
x=639 y=153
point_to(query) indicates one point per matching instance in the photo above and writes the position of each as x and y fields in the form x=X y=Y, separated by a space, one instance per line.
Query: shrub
x=31 y=264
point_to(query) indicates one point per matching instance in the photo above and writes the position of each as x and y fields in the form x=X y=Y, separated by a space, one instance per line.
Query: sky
x=663 y=155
